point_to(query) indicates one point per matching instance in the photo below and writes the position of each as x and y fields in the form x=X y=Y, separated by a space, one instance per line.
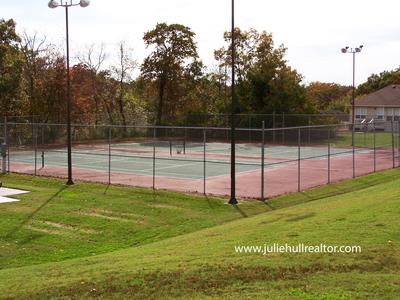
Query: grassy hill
x=199 y=261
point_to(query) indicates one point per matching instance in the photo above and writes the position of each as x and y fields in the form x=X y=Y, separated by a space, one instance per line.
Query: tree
x=33 y=47
x=10 y=68
x=93 y=59
x=327 y=96
x=265 y=83
x=376 y=82
x=122 y=72
x=174 y=51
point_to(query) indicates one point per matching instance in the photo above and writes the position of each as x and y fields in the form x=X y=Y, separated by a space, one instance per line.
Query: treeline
x=172 y=81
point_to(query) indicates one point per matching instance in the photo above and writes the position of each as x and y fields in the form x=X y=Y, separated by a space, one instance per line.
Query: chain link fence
x=269 y=161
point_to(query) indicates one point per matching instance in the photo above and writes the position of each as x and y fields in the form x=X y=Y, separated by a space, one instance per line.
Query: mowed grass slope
x=204 y=265
x=55 y=222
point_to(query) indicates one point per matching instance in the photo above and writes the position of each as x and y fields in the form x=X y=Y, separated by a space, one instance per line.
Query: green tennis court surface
x=173 y=159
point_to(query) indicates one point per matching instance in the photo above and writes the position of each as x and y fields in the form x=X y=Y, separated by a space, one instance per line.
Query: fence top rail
x=275 y=114
x=183 y=127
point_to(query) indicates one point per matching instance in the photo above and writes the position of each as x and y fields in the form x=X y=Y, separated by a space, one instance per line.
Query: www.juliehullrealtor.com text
x=299 y=248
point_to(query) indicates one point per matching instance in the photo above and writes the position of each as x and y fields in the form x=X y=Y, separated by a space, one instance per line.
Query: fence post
x=5 y=140
x=262 y=161
x=4 y=148
x=5 y=131
x=273 y=126
x=354 y=149
x=109 y=155
x=283 y=126
x=398 y=142
x=249 y=128
x=374 y=133
x=329 y=155
x=204 y=160
x=298 y=161
x=393 y=155
x=184 y=140
x=42 y=139
x=309 y=130
x=35 y=139
x=154 y=158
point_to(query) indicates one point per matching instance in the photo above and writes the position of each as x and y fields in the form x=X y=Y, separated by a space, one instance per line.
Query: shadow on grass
x=244 y=215
x=359 y=184
x=266 y=203
x=34 y=213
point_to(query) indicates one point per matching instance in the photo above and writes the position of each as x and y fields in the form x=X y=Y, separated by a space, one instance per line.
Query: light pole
x=67 y=5
x=345 y=50
x=232 y=199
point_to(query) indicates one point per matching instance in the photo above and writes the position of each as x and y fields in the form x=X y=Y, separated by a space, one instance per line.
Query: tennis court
x=268 y=162
x=173 y=159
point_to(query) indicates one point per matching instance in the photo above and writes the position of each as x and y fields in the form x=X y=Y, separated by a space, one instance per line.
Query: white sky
x=314 y=31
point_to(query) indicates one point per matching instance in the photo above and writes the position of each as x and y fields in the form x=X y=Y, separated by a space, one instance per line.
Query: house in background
x=383 y=106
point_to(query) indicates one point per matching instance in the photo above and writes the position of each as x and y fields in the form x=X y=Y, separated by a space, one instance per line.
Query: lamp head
x=53 y=4
x=358 y=49
x=84 y=3
x=344 y=50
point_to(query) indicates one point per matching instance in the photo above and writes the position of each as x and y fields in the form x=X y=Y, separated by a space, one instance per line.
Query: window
x=397 y=114
x=361 y=113
x=389 y=114
x=380 y=113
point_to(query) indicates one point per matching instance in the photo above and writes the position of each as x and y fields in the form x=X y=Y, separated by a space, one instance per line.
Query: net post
x=42 y=158
x=262 y=161
x=170 y=147
x=109 y=155
x=154 y=157
x=329 y=155
x=353 y=149
x=374 y=140
x=298 y=160
x=393 y=149
x=204 y=160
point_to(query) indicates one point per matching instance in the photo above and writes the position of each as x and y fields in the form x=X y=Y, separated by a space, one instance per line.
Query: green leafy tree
x=378 y=81
x=265 y=82
x=174 y=52
x=11 y=64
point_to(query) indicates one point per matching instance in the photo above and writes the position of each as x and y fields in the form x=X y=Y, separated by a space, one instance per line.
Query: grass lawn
x=366 y=139
x=56 y=222
x=182 y=246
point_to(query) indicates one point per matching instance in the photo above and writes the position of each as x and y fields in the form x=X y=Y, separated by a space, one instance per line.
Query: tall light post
x=67 y=4
x=353 y=51
x=232 y=199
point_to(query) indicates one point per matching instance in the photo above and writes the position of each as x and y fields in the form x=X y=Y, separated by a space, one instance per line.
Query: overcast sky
x=314 y=31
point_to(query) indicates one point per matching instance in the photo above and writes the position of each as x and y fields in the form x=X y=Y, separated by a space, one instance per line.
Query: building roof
x=387 y=97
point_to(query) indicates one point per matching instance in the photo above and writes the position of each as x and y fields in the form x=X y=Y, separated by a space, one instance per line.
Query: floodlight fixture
x=84 y=3
x=53 y=4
